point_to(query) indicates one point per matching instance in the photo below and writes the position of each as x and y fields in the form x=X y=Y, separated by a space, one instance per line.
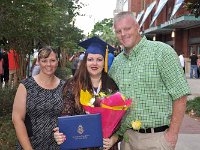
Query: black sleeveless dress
x=43 y=106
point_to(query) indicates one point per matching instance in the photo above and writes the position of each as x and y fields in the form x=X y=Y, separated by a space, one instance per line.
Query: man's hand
x=179 y=106
x=171 y=138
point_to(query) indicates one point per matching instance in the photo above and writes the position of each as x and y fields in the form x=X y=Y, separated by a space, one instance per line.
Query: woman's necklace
x=47 y=82
x=96 y=92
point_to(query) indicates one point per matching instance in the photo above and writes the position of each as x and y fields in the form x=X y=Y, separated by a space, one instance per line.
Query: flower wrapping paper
x=112 y=109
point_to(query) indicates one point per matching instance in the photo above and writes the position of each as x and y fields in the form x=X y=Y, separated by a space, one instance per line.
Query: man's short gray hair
x=123 y=14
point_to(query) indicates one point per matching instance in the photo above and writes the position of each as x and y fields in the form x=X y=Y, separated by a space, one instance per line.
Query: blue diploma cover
x=82 y=131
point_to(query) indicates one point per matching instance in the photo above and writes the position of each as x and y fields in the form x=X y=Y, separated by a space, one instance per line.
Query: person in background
x=5 y=76
x=35 y=64
x=110 y=59
x=37 y=105
x=74 y=59
x=29 y=60
x=90 y=76
x=182 y=61
x=150 y=73
x=198 y=66
x=13 y=61
x=193 y=65
x=1 y=68
x=80 y=59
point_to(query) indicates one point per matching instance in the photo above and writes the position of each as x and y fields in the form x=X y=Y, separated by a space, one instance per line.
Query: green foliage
x=193 y=6
x=63 y=73
x=6 y=100
x=7 y=136
x=26 y=23
x=194 y=105
x=104 y=30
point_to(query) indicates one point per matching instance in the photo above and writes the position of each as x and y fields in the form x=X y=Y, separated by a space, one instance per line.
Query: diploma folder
x=82 y=131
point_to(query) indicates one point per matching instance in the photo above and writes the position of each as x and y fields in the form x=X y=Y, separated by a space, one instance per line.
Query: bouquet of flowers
x=112 y=108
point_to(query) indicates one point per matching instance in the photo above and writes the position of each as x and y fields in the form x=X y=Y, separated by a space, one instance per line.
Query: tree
x=25 y=23
x=104 y=30
x=193 y=6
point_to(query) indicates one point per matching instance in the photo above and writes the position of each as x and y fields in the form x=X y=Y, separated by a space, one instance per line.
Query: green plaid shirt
x=151 y=75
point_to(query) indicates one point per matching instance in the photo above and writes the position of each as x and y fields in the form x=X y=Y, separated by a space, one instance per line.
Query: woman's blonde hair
x=45 y=52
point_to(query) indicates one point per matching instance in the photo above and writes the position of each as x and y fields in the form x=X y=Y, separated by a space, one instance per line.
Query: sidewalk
x=189 y=136
x=195 y=87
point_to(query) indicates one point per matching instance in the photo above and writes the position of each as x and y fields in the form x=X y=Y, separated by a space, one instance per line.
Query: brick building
x=169 y=22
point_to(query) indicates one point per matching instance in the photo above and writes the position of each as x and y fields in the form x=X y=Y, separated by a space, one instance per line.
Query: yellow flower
x=136 y=125
x=101 y=94
x=85 y=97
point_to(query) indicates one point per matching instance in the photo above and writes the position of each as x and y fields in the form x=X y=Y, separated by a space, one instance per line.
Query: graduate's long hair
x=82 y=81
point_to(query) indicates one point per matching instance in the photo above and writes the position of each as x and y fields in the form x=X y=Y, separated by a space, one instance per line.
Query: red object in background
x=13 y=59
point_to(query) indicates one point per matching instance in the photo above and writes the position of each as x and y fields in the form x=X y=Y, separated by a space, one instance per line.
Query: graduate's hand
x=109 y=142
x=59 y=137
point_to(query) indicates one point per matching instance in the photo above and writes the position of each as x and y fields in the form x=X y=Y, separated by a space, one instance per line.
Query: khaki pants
x=134 y=140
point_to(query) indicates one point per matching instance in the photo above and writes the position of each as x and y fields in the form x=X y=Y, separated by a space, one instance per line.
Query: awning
x=183 y=22
x=176 y=7
x=139 y=16
x=147 y=12
x=158 y=10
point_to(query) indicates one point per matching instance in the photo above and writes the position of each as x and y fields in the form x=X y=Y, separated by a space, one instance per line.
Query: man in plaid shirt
x=150 y=73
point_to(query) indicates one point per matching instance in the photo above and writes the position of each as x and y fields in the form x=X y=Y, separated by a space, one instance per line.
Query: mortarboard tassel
x=106 y=60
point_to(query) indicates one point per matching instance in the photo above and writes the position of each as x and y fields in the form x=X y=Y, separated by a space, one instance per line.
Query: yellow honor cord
x=114 y=107
x=106 y=60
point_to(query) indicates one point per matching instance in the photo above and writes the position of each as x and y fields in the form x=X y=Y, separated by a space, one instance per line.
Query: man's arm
x=179 y=107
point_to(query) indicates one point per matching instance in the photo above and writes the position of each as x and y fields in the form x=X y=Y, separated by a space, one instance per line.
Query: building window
x=195 y=48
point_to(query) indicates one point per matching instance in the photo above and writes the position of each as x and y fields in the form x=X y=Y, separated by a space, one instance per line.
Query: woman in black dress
x=37 y=105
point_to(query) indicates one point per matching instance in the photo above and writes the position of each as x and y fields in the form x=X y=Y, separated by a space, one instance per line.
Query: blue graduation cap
x=95 y=45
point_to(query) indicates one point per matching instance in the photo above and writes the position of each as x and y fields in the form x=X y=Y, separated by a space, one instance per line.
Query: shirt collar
x=135 y=50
